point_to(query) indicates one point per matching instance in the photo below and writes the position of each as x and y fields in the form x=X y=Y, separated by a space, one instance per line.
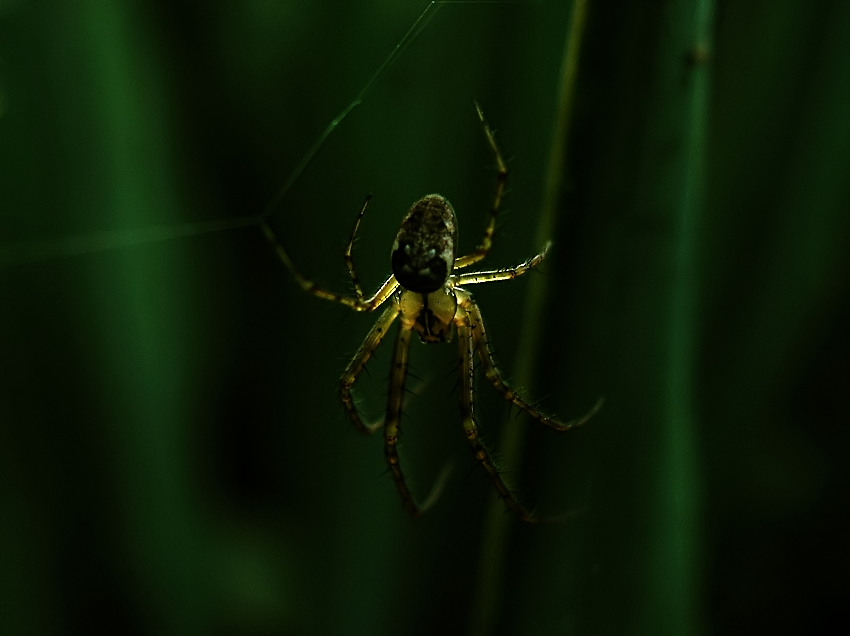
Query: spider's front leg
x=465 y=333
x=395 y=398
x=358 y=362
x=398 y=373
x=492 y=373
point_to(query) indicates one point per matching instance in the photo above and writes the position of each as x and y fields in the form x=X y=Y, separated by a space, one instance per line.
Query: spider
x=429 y=298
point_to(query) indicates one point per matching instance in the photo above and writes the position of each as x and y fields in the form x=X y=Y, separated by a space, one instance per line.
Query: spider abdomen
x=423 y=252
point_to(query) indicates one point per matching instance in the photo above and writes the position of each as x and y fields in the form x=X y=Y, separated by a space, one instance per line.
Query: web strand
x=44 y=249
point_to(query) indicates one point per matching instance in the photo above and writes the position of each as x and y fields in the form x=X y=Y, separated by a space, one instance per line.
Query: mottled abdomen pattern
x=423 y=253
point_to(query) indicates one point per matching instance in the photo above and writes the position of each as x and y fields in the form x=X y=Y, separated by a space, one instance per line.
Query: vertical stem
x=498 y=526
x=670 y=600
x=648 y=208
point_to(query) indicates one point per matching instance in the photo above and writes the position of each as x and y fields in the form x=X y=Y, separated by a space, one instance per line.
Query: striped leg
x=358 y=303
x=398 y=372
x=501 y=179
x=508 y=273
x=465 y=333
x=358 y=362
x=492 y=373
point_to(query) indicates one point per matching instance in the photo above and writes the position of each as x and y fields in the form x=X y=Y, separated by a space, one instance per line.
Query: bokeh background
x=173 y=458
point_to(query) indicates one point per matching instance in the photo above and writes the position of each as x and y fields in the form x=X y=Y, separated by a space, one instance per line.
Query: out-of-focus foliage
x=172 y=455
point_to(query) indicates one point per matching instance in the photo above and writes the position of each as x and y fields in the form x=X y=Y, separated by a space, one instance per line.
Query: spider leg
x=349 y=259
x=507 y=273
x=358 y=362
x=501 y=177
x=401 y=353
x=492 y=373
x=465 y=333
x=358 y=303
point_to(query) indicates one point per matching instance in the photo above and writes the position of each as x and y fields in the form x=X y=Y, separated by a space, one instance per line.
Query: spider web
x=56 y=236
x=147 y=313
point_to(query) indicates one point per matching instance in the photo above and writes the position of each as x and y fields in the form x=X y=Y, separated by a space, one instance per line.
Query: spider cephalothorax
x=429 y=315
x=428 y=297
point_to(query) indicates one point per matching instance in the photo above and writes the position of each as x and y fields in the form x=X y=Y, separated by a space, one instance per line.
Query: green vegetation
x=173 y=458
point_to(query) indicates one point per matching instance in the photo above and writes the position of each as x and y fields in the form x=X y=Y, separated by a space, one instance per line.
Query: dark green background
x=173 y=458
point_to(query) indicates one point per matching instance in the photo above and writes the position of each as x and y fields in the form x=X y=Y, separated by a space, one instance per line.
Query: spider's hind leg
x=349 y=259
x=359 y=302
x=501 y=178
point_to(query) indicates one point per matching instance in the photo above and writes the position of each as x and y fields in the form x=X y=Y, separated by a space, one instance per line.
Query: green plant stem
x=498 y=527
